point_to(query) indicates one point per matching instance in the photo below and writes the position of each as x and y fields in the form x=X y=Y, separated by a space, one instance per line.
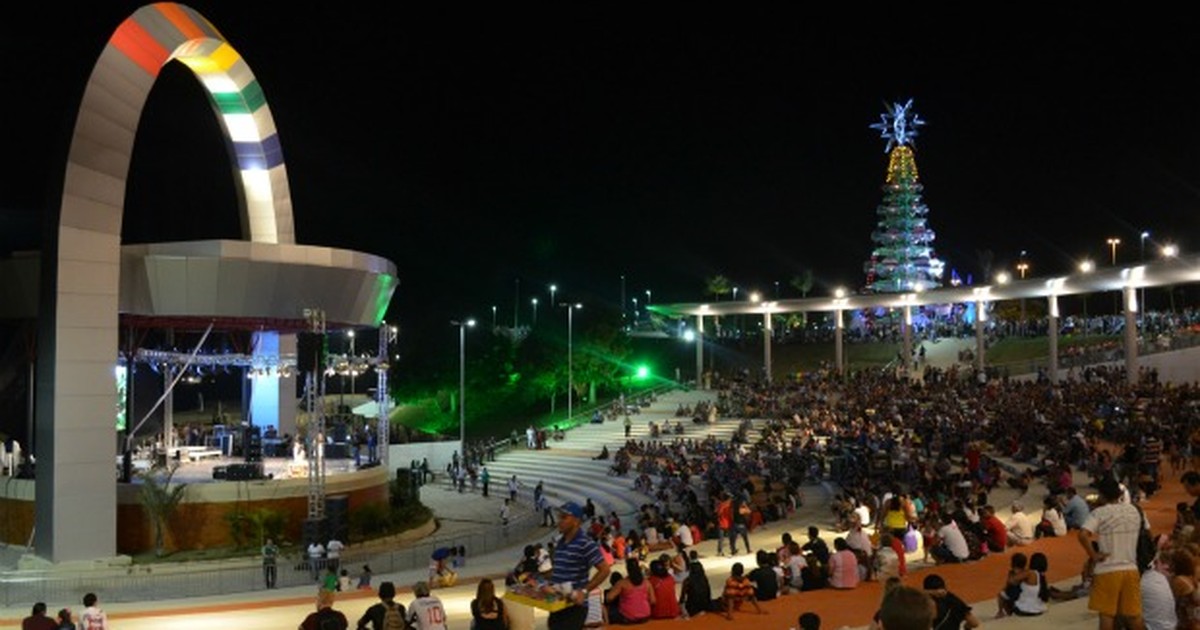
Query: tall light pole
x=570 y=355
x=462 y=381
x=534 y=311
x=1142 y=298
x=553 y=288
x=493 y=316
x=1112 y=243
x=647 y=298
x=1086 y=267
x=635 y=311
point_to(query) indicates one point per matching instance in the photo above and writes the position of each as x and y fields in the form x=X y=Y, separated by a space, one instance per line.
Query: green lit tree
x=159 y=499
x=903 y=259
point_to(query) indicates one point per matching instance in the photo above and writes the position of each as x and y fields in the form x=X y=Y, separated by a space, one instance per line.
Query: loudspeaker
x=220 y=472
x=315 y=531
x=310 y=351
x=337 y=451
x=252 y=444
x=243 y=472
x=337 y=513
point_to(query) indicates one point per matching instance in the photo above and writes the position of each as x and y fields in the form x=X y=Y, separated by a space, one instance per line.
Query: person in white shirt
x=1158 y=602
x=1053 y=522
x=426 y=611
x=333 y=553
x=316 y=559
x=950 y=545
x=1020 y=529
x=684 y=534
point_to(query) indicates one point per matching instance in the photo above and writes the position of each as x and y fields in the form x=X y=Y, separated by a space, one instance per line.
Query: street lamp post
x=1022 y=267
x=1086 y=267
x=1142 y=298
x=570 y=356
x=1112 y=243
x=553 y=288
x=462 y=382
x=635 y=311
x=534 y=311
x=493 y=316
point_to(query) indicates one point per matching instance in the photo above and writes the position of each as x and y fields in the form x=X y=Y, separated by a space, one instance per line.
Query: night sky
x=477 y=150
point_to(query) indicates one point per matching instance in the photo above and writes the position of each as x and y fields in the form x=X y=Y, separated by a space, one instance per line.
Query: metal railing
x=149 y=582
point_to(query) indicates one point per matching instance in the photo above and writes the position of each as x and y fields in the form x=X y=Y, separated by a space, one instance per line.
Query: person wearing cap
x=1109 y=537
x=574 y=557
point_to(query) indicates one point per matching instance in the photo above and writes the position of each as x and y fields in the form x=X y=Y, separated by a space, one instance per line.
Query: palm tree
x=803 y=282
x=718 y=285
x=159 y=499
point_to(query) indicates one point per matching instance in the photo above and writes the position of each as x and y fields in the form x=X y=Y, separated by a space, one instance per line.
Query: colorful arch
x=76 y=494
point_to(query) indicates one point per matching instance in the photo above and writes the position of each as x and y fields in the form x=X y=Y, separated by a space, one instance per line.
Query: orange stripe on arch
x=180 y=20
x=140 y=47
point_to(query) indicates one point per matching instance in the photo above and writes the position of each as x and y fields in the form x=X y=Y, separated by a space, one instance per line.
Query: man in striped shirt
x=574 y=557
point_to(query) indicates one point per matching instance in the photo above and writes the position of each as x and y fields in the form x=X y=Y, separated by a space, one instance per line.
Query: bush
x=371 y=520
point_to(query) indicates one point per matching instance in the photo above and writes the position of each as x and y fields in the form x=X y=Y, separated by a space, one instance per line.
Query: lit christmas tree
x=903 y=259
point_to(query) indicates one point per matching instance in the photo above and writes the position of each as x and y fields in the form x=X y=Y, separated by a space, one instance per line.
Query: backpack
x=1146 y=547
x=393 y=619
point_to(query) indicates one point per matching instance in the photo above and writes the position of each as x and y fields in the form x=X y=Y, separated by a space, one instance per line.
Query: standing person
x=574 y=557
x=388 y=614
x=513 y=485
x=487 y=610
x=486 y=478
x=37 y=619
x=270 y=554
x=316 y=558
x=725 y=524
x=325 y=618
x=1109 y=537
x=505 y=514
x=93 y=617
x=426 y=612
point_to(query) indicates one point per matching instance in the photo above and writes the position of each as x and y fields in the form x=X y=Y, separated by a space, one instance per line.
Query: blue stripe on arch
x=261 y=156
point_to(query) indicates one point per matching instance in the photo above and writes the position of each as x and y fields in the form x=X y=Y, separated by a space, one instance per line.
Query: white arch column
x=767 y=344
x=906 y=337
x=1131 y=332
x=980 y=320
x=700 y=352
x=839 y=350
x=1052 y=333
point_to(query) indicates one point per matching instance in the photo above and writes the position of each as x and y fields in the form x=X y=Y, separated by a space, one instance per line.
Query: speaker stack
x=337 y=512
x=252 y=444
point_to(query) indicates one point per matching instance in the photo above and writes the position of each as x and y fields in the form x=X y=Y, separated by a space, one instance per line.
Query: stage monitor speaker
x=310 y=351
x=244 y=472
x=337 y=451
x=337 y=513
x=220 y=472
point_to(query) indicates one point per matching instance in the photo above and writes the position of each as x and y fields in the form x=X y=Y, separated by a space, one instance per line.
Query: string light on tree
x=903 y=257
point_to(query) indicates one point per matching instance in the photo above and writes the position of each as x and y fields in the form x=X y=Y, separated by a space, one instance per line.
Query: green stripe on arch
x=231 y=103
x=253 y=96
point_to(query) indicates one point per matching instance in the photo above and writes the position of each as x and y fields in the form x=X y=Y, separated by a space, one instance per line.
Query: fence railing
x=149 y=582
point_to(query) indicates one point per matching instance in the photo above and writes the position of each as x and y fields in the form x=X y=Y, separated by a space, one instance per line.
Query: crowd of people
x=915 y=465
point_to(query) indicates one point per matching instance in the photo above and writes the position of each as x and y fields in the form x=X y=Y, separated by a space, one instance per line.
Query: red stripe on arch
x=180 y=20
x=140 y=47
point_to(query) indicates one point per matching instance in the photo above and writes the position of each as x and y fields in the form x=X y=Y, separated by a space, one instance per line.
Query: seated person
x=738 y=589
x=764 y=577
x=603 y=453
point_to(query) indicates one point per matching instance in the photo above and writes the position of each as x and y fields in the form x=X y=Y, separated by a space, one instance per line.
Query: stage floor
x=273 y=468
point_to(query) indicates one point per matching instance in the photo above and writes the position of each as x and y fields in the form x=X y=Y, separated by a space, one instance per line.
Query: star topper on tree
x=899 y=125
